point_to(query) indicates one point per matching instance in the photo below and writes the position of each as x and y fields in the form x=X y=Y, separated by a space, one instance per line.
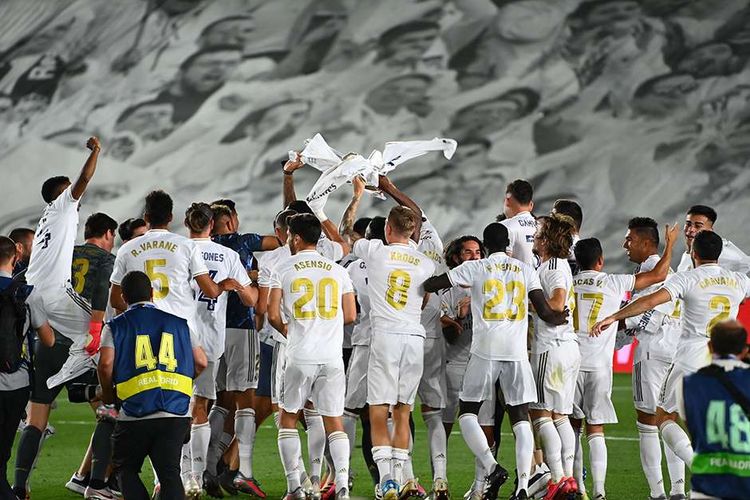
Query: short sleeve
x=624 y=283
x=745 y=285
x=365 y=248
x=195 y=340
x=101 y=291
x=65 y=201
x=275 y=280
x=264 y=271
x=107 y=340
x=330 y=249
x=252 y=242
x=463 y=275
x=37 y=310
x=553 y=279
x=511 y=235
x=239 y=272
x=118 y=270
x=532 y=279
x=346 y=283
x=197 y=264
x=676 y=285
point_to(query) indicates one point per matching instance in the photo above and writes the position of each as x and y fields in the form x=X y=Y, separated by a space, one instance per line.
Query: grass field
x=62 y=453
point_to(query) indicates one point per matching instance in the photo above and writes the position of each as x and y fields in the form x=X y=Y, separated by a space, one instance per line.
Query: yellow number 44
x=144 y=355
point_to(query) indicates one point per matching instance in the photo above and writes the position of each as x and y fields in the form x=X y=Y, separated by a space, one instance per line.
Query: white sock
x=382 y=456
x=289 y=450
x=567 y=444
x=479 y=474
x=316 y=441
x=186 y=467
x=438 y=443
x=598 y=459
x=476 y=441
x=408 y=468
x=676 y=468
x=200 y=435
x=650 y=446
x=244 y=426
x=350 y=427
x=676 y=438
x=578 y=463
x=399 y=458
x=551 y=445
x=338 y=444
x=216 y=418
x=524 y=452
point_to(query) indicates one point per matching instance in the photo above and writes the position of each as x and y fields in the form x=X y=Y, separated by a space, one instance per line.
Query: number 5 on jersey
x=161 y=289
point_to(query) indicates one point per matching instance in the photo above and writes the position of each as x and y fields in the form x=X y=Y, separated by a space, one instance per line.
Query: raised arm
x=346 y=228
x=269 y=242
x=289 y=168
x=329 y=229
x=399 y=197
x=87 y=172
x=660 y=271
x=639 y=306
x=545 y=312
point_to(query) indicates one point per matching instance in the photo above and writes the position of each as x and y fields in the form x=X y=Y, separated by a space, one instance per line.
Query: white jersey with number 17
x=395 y=274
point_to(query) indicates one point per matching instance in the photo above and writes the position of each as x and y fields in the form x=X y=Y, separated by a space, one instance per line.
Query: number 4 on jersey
x=210 y=303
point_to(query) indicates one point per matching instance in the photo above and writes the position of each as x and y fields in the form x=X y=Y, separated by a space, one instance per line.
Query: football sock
x=244 y=423
x=676 y=468
x=524 y=450
x=186 y=467
x=382 y=456
x=350 y=427
x=578 y=462
x=598 y=459
x=29 y=446
x=476 y=440
x=438 y=443
x=338 y=443
x=479 y=474
x=551 y=445
x=399 y=456
x=216 y=418
x=650 y=447
x=101 y=452
x=290 y=449
x=567 y=444
x=200 y=435
x=677 y=440
x=316 y=441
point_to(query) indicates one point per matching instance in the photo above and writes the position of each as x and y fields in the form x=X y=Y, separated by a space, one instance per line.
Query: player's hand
x=384 y=182
x=93 y=144
x=464 y=307
x=671 y=234
x=230 y=284
x=601 y=326
x=455 y=324
x=561 y=317
x=291 y=166
x=358 y=184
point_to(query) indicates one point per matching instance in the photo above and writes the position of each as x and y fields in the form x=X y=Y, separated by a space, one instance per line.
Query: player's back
x=358 y=274
x=312 y=289
x=171 y=261
x=553 y=274
x=598 y=295
x=239 y=315
x=521 y=229
x=267 y=263
x=92 y=267
x=395 y=274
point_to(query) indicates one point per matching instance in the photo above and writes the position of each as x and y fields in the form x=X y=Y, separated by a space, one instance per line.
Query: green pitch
x=62 y=454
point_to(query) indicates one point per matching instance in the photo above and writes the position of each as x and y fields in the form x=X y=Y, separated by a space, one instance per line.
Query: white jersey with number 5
x=500 y=287
x=171 y=261
x=710 y=294
x=211 y=314
x=52 y=250
x=312 y=288
x=597 y=295
x=395 y=274
x=553 y=274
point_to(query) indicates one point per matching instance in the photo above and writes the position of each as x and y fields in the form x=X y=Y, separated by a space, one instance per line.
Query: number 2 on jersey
x=517 y=293
x=144 y=355
x=162 y=290
x=397 y=294
x=723 y=305
x=327 y=303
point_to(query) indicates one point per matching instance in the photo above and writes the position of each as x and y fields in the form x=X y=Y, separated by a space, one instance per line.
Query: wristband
x=322 y=217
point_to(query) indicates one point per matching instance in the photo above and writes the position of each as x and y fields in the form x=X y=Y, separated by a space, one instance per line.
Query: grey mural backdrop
x=631 y=107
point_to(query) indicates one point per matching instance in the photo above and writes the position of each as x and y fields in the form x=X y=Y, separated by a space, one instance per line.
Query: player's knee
x=519 y=413
x=468 y=407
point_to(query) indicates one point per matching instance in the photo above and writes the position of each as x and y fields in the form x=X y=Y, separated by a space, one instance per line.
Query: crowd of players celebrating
x=331 y=326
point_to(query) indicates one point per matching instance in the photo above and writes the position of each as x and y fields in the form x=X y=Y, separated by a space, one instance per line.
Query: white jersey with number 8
x=500 y=287
x=395 y=274
x=312 y=288
x=171 y=262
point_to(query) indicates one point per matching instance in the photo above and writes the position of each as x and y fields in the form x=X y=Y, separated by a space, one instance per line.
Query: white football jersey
x=395 y=274
x=312 y=298
x=211 y=314
x=171 y=261
x=597 y=295
x=431 y=245
x=553 y=274
x=500 y=287
x=521 y=229
x=358 y=274
x=731 y=258
x=267 y=262
x=457 y=352
x=709 y=294
x=52 y=249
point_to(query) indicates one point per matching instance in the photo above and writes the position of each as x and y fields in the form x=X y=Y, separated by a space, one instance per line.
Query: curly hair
x=452 y=252
x=557 y=231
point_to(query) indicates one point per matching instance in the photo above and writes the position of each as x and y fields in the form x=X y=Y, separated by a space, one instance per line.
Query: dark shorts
x=47 y=362
x=264 y=377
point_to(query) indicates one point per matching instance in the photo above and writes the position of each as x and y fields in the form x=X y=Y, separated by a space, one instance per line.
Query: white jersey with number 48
x=395 y=274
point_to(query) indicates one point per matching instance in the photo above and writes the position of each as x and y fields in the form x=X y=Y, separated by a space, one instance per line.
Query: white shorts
x=395 y=368
x=323 y=384
x=278 y=364
x=668 y=394
x=593 y=398
x=556 y=374
x=648 y=377
x=205 y=385
x=67 y=313
x=240 y=364
x=356 y=378
x=431 y=389
x=454 y=377
x=514 y=380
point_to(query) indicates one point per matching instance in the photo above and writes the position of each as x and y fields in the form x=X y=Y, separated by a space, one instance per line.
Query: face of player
x=409 y=47
x=636 y=247
x=293 y=241
x=229 y=32
x=210 y=71
x=706 y=61
x=694 y=224
x=152 y=122
x=388 y=98
x=139 y=231
x=23 y=249
x=470 y=250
